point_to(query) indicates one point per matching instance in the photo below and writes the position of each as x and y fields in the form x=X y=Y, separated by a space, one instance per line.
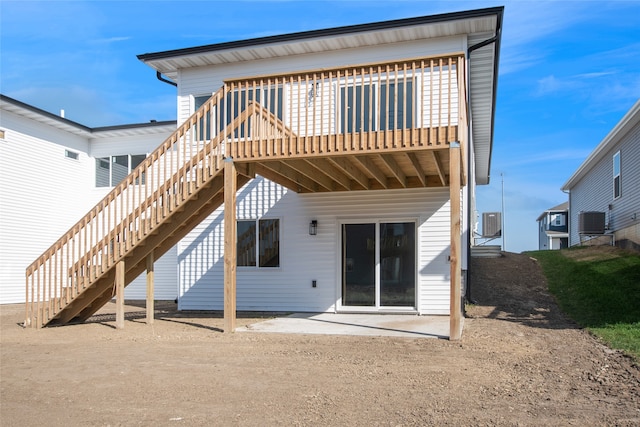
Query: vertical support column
x=455 y=310
x=150 y=288
x=230 y=247
x=119 y=285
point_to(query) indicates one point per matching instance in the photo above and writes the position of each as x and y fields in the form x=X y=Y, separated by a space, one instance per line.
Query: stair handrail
x=144 y=175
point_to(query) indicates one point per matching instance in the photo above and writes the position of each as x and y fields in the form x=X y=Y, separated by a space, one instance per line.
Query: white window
x=362 y=111
x=263 y=251
x=113 y=169
x=557 y=220
x=616 y=175
x=273 y=98
x=71 y=155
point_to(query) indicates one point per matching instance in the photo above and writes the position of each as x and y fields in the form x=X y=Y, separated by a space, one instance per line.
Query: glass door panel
x=397 y=264
x=359 y=265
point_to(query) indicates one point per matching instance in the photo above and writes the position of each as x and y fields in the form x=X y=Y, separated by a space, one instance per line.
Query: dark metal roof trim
x=47 y=114
x=345 y=30
x=135 y=125
x=43 y=112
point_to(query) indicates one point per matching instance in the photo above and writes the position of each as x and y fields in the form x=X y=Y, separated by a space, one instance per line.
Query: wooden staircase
x=165 y=197
x=316 y=131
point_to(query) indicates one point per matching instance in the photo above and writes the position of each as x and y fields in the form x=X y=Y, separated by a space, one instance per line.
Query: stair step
x=486 y=251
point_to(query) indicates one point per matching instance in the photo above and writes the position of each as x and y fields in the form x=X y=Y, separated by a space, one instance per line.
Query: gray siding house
x=609 y=182
x=553 y=228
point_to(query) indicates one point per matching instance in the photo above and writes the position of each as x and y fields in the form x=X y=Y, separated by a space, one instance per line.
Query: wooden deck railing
x=381 y=107
x=384 y=107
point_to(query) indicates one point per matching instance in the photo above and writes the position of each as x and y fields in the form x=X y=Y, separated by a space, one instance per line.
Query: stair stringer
x=164 y=237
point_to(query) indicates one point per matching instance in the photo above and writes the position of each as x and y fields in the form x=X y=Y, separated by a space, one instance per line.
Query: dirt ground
x=520 y=363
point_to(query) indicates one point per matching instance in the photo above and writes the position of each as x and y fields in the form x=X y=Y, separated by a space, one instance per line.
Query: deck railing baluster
x=353 y=109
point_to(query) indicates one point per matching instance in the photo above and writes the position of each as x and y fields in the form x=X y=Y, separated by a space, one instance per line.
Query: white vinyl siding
x=200 y=80
x=616 y=175
x=594 y=191
x=40 y=195
x=304 y=258
x=45 y=192
x=165 y=279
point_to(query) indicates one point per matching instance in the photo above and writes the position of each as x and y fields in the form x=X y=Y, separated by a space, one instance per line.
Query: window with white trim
x=385 y=105
x=113 y=169
x=71 y=154
x=263 y=251
x=238 y=102
x=557 y=220
x=616 y=175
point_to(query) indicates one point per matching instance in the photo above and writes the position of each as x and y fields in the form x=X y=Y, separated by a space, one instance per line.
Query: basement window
x=263 y=251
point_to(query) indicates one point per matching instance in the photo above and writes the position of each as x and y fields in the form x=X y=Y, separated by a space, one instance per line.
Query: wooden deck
x=367 y=127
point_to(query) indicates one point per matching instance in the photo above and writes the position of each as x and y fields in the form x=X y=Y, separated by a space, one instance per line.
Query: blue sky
x=568 y=72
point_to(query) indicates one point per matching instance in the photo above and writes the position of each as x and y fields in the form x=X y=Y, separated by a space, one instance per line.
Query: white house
x=553 y=228
x=605 y=190
x=331 y=170
x=70 y=169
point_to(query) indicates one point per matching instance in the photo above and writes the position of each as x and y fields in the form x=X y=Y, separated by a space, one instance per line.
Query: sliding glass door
x=379 y=265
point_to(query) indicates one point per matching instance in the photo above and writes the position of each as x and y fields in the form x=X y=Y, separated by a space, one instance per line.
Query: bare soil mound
x=520 y=363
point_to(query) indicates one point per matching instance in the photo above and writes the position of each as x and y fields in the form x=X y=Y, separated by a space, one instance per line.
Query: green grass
x=600 y=290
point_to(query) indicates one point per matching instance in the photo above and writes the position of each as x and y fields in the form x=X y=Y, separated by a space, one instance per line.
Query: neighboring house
x=607 y=186
x=52 y=171
x=553 y=228
x=324 y=171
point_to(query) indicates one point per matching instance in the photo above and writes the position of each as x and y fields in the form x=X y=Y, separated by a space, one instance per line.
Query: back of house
x=343 y=161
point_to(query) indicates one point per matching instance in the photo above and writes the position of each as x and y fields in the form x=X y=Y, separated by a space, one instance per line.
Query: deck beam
x=390 y=142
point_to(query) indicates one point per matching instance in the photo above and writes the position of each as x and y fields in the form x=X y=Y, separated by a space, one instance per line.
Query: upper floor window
x=557 y=220
x=229 y=108
x=258 y=243
x=71 y=155
x=616 y=175
x=113 y=169
x=377 y=106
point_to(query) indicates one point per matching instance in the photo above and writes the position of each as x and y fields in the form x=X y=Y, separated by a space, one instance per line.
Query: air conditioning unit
x=591 y=223
x=491 y=224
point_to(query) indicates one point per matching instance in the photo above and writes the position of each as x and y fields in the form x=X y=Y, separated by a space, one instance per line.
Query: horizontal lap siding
x=40 y=188
x=304 y=258
x=628 y=204
x=594 y=192
x=45 y=193
x=207 y=80
x=165 y=278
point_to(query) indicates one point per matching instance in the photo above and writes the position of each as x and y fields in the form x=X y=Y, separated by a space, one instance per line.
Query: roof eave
x=305 y=35
x=630 y=119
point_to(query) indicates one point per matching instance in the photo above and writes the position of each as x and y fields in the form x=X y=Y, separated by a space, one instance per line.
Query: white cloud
x=109 y=40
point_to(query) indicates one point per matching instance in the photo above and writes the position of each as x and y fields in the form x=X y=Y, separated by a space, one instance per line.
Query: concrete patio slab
x=392 y=325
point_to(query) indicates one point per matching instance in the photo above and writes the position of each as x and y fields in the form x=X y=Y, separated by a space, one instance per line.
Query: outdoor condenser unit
x=591 y=223
x=491 y=224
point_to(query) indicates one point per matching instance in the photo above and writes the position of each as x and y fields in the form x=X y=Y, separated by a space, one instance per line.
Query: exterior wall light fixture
x=313 y=227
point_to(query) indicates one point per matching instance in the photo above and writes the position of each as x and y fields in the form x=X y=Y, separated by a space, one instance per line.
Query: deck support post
x=230 y=248
x=455 y=310
x=150 y=289
x=119 y=288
